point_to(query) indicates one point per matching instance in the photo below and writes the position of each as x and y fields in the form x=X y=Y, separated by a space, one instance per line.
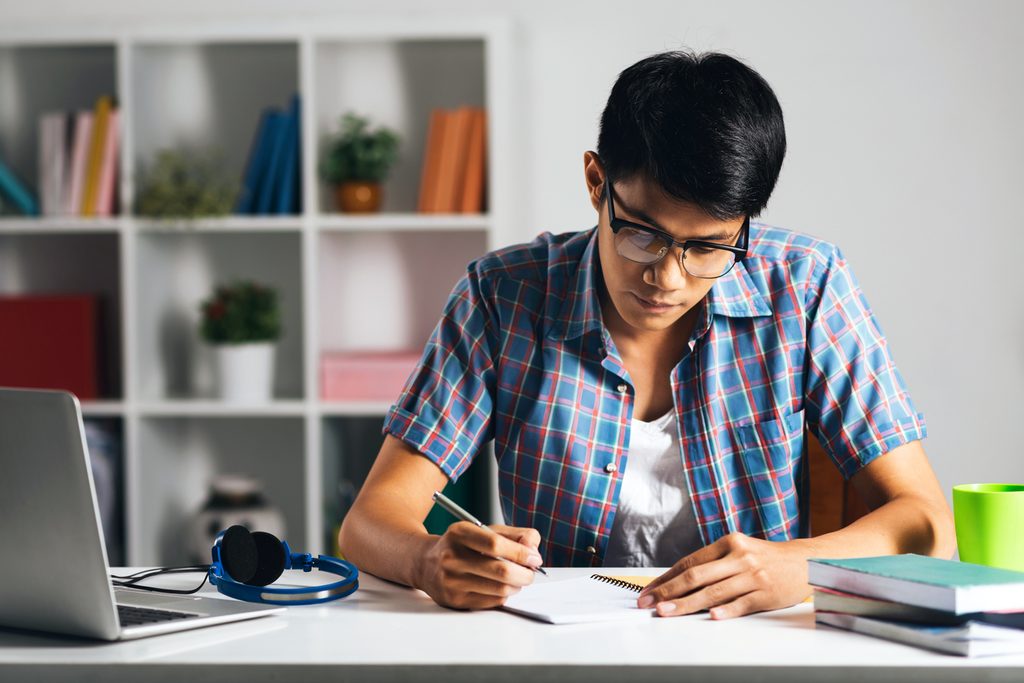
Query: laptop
x=54 y=576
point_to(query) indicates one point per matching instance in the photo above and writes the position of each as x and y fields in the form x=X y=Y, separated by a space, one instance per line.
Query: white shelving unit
x=345 y=282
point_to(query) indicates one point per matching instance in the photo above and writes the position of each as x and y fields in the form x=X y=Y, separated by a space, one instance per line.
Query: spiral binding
x=618 y=582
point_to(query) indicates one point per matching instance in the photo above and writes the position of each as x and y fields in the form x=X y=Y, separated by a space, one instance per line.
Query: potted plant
x=243 y=321
x=186 y=184
x=356 y=161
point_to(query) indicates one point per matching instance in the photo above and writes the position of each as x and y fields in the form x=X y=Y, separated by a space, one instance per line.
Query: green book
x=957 y=587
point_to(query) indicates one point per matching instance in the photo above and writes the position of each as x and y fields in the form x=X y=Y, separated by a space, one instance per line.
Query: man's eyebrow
x=654 y=224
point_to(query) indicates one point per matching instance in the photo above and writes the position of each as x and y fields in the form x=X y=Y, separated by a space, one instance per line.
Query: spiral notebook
x=587 y=598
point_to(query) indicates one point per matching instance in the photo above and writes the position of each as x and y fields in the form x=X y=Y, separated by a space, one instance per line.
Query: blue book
x=968 y=640
x=17 y=193
x=286 y=195
x=957 y=587
x=258 y=154
x=274 y=165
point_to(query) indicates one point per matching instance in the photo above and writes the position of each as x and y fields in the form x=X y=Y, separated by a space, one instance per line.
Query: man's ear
x=593 y=174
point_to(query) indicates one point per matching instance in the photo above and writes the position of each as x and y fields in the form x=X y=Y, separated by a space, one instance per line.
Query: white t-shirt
x=654 y=524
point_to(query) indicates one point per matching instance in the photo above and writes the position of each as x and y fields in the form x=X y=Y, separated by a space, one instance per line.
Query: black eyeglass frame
x=618 y=224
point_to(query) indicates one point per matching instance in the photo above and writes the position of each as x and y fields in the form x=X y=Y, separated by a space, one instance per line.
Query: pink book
x=108 y=167
x=79 y=158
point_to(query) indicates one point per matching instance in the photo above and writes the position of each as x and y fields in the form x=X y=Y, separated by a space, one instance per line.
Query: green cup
x=990 y=524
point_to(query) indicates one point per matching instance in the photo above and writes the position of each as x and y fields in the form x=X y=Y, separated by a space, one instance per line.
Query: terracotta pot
x=357 y=196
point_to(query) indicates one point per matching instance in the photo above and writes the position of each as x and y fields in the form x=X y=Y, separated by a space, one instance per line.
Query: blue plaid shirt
x=784 y=342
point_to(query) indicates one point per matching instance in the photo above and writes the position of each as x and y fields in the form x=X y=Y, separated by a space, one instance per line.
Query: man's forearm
x=383 y=546
x=903 y=525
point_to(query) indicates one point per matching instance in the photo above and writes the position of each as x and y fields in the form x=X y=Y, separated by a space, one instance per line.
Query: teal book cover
x=930 y=570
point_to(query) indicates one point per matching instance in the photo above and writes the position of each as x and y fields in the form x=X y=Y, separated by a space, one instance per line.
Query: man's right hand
x=460 y=570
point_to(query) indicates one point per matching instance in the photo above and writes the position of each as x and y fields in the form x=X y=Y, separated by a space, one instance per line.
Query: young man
x=648 y=383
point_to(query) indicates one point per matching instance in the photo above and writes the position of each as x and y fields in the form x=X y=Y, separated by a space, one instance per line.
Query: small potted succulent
x=242 y=321
x=356 y=161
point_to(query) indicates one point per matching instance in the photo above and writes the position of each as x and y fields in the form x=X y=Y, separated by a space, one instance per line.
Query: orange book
x=431 y=161
x=472 y=199
x=452 y=160
x=101 y=121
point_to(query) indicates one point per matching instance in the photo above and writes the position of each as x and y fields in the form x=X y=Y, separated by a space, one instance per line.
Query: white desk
x=388 y=632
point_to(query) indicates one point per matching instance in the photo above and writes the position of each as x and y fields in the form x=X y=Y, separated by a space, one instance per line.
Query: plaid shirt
x=785 y=341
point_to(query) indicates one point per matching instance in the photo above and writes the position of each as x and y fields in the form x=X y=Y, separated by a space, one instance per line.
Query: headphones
x=246 y=563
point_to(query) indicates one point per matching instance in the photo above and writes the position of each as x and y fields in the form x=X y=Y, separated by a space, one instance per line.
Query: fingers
x=524 y=535
x=493 y=542
x=692 y=581
x=734 y=593
x=708 y=553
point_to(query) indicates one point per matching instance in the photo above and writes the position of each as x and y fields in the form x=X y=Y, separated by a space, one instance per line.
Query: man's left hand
x=734 y=576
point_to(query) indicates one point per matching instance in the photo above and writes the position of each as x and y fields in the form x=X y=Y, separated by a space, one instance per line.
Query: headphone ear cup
x=271 y=559
x=238 y=553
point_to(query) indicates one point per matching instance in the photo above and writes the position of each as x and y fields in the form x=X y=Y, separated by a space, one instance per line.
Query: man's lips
x=654 y=303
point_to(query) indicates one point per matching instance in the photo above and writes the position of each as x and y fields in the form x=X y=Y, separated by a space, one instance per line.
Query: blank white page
x=573 y=601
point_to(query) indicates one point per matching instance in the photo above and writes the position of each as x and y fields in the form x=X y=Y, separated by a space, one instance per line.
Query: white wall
x=903 y=119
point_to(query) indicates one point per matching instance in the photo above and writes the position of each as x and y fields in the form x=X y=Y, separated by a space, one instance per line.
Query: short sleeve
x=856 y=400
x=444 y=410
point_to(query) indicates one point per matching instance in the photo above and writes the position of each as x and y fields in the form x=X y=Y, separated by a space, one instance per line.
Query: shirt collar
x=735 y=295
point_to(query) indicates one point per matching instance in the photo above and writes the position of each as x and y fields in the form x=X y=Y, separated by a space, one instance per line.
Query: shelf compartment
x=39 y=79
x=177 y=460
x=174 y=272
x=207 y=96
x=408 y=275
x=396 y=84
x=43 y=264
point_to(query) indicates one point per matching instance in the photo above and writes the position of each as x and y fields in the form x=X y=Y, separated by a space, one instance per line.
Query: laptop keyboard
x=138 y=616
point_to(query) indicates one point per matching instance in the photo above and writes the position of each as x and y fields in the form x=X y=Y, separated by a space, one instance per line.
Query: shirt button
x=610 y=468
x=592 y=550
x=622 y=388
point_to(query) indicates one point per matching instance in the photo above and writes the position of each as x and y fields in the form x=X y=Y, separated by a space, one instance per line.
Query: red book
x=50 y=342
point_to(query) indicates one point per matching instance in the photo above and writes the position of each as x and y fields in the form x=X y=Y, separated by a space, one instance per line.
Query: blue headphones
x=245 y=564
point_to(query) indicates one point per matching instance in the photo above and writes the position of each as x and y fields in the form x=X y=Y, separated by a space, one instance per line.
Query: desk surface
x=385 y=632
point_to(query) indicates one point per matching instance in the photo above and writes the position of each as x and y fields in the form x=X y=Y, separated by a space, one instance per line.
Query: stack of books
x=952 y=607
x=272 y=183
x=455 y=162
x=78 y=167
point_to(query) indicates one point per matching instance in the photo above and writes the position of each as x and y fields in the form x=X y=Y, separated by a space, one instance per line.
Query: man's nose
x=668 y=273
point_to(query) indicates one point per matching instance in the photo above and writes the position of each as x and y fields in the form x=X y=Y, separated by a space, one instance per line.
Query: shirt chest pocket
x=768 y=453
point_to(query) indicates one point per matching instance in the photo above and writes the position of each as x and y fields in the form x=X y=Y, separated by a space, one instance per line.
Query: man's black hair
x=705 y=127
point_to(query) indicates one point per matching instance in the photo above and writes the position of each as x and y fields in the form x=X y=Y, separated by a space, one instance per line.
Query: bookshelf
x=346 y=282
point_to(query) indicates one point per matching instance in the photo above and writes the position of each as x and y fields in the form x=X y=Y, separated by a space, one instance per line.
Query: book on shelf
x=16 y=192
x=94 y=162
x=50 y=342
x=454 y=162
x=969 y=639
x=286 y=193
x=53 y=162
x=259 y=151
x=947 y=585
x=107 y=182
x=75 y=187
x=271 y=180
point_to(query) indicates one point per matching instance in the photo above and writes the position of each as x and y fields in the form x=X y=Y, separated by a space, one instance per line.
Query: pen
x=452 y=507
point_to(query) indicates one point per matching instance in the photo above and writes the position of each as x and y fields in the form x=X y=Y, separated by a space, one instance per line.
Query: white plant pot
x=246 y=372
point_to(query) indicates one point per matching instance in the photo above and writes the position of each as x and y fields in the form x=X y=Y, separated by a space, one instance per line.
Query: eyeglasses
x=646 y=245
